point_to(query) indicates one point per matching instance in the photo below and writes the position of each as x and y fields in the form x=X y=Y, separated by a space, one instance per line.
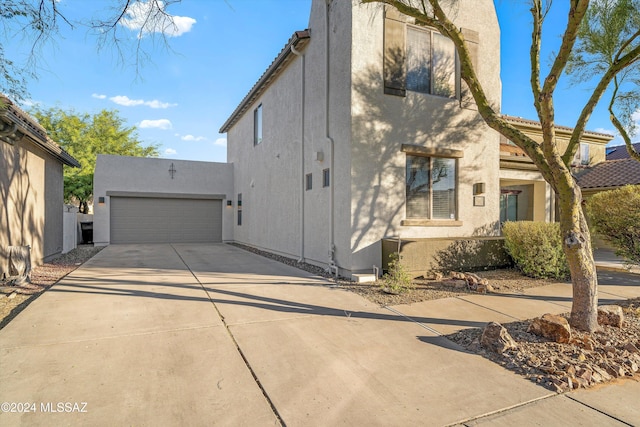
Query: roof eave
x=298 y=40
x=599 y=137
x=34 y=131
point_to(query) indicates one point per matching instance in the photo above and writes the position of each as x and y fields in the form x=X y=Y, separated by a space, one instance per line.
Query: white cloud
x=170 y=151
x=157 y=104
x=98 y=96
x=636 y=116
x=151 y=17
x=128 y=102
x=193 y=138
x=160 y=124
x=607 y=131
x=221 y=142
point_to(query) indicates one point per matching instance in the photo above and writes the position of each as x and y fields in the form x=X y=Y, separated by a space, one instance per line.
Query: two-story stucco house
x=361 y=129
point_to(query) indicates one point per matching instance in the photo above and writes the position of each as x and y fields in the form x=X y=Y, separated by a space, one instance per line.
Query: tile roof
x=535 y=124
x=610 y=174
x=298 y=40
x=27 y=125
x=620 y=151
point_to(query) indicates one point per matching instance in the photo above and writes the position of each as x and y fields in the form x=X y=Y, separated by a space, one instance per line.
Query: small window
x=239 y=208
x=257 y=125
x=582 y=155
x=308 y=181
x=326 y=178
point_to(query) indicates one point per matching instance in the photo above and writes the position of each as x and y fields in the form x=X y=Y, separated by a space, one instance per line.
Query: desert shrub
x=615 y=215
x=397 y=279
x=536 y=248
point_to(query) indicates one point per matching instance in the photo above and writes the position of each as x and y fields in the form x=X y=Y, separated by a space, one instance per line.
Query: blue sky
x=182 y=96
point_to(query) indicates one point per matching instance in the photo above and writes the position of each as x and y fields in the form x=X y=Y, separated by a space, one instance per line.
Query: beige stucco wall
x=382 y=123
x=151 y=175
x=366 y=129
x=31 y=197
x=278 y=213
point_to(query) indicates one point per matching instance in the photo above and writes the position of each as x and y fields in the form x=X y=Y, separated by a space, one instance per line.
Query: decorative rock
x=631 y=365
x=496 y=338
x=455 y=283
x=480 y=288
x=614 y=370
x=631 y=348
x=585 y=343
x=611 y=315
x=551 y=326
x=456 y=275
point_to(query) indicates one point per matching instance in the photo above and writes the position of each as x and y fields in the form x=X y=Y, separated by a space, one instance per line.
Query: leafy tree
x=611 y=29
x=39 y=22
x=85 y=136
x=553 y=164
x=615 y=214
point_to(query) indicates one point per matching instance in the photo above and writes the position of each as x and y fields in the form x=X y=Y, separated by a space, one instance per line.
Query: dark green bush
x=615 y=215
x=536 y=248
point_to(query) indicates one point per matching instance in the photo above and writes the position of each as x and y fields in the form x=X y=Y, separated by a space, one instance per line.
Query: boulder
x=610 y=315
x=551 y=326
x=496 y=338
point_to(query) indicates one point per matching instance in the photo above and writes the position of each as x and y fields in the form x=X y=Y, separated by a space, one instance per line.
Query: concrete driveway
x=214 y=335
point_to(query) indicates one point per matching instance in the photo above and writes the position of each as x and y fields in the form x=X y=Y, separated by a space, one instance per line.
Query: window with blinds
x=430 y=187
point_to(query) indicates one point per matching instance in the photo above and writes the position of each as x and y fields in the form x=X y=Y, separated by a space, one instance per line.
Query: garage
x=138 y=219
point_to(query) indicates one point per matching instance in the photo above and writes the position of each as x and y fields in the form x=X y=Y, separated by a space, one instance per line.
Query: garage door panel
x=160 y=220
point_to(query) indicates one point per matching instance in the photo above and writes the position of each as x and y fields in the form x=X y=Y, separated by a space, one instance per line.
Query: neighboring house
x=609 y=175
x=31 y=186
x=524 y=194
x=620 y=151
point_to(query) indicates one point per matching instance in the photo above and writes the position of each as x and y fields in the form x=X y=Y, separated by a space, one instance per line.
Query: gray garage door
x=159 y=220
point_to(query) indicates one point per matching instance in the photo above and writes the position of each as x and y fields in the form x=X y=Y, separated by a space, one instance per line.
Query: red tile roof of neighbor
x=611 y=174
x=533 y=123
x=620 y=151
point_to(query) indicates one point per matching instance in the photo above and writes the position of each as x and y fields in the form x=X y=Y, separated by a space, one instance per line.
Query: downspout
x=301 y=182
x=332 y=247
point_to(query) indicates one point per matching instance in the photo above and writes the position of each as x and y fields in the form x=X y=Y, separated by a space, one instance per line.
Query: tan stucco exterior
x=31 y=188
x=145 y=177
x=330 y=112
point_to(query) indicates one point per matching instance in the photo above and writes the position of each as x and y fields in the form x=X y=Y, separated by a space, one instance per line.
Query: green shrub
x=397 y=279
x=615 y=215
x=536 y=248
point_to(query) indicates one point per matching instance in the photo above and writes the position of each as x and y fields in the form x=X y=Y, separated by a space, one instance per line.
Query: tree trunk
x=577 y=247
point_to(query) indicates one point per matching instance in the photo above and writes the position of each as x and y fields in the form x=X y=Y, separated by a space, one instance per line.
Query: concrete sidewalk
x=214 y=335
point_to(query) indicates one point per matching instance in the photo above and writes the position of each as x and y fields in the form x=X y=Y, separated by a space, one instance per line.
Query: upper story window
x=430 y=63
x=582 y=156
x=257 y=125
x=422 y=60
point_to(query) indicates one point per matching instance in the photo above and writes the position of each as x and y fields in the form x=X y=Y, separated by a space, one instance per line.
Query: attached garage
x=171 y=219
